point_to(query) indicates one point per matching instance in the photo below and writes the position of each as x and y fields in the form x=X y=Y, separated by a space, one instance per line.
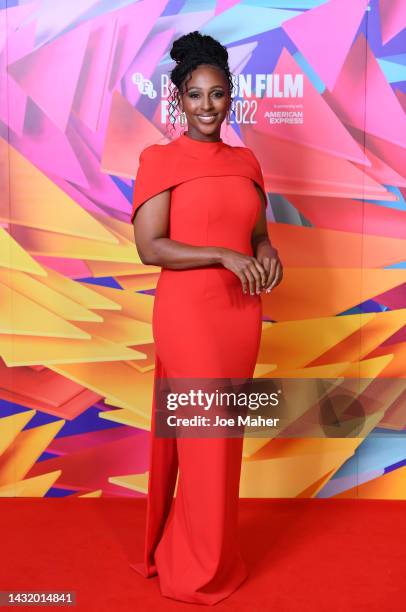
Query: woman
x=199 y=213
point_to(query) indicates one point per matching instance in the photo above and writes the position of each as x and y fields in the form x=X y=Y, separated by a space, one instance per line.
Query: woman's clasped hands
x=257 y=274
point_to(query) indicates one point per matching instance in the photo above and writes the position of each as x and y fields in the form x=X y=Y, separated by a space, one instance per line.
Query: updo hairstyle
x=190 y=51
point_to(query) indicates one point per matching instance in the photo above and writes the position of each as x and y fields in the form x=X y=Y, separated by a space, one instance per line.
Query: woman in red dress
x=199 y=213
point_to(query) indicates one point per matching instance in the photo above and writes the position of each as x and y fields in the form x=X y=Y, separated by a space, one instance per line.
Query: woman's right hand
x=250 y=272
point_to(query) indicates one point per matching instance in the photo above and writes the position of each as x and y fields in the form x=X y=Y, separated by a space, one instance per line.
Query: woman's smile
x=205 y=100
x=207 y=118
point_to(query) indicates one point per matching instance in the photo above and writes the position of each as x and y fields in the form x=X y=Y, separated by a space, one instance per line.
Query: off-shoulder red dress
x=204 y=326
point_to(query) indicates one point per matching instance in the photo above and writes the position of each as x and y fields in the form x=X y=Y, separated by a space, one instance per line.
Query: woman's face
x=205 y=100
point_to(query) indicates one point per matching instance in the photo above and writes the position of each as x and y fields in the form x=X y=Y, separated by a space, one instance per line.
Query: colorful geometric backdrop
x=321 y=99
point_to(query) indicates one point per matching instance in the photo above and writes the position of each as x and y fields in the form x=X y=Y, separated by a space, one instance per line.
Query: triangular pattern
x=289 y=167
x=52 y=20
x=146 y=62
x=302 y=247
x=127 y=134
x=102 y=189
x=224 y=5
x=24 y=451
x=12 y=98
x=48 y=148
x=38 y=203
x=49 y=74
x=351 y=216
x=70 y=220
x=93 y=81
x=321 y=129
x=11 y=18
x=338 y=290
x=393 y=18
x=324 y=35
x=14 y=257
x=133 y=26
x=380 y=113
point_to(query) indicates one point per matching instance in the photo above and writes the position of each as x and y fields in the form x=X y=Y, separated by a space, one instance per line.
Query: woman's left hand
x=268 y=257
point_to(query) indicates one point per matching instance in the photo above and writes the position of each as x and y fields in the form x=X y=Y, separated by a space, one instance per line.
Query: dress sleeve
x=145 y=180
x=258 y=176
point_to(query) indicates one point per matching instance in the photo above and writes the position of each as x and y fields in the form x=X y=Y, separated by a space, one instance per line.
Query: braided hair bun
x=190 y=51
x=198 y=46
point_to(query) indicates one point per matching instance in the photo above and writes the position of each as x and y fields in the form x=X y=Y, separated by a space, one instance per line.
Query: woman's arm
x=151 y=224
x=155 y=248
x=263 y=250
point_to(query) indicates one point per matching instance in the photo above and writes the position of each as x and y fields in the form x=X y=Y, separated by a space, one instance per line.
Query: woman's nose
x=206 y=102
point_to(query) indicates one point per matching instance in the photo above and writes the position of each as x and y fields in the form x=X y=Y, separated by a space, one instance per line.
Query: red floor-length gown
x=204 y=327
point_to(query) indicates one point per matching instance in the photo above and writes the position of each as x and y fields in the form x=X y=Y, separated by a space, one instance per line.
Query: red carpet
x=304 y=555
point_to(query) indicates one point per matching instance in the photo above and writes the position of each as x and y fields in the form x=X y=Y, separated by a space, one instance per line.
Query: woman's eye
x=217 y=94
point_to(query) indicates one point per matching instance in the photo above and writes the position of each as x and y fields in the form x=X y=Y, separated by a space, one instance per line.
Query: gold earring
x=182 y=118
x=228 y=117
